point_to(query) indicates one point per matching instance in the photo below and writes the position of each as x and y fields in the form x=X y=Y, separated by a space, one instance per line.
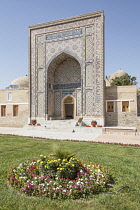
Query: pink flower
x=30 y=186
x=78 y=173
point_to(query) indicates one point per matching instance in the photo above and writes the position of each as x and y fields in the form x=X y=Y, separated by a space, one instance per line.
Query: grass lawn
x=123 y=163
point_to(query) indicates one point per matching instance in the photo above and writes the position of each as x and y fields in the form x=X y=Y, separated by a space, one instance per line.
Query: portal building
x=66 y=68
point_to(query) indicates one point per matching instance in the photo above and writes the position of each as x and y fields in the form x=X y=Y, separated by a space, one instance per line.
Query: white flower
x=64 y=191
x=20 y=165
x=33 y=163
x=23 y=177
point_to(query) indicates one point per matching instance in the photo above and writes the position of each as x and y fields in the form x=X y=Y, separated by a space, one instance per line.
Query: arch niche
x=68 y=107
x=64 y=78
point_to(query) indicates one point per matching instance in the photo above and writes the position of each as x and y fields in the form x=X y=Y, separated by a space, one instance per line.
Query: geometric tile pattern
x=73 y=46
x=50 y=103
x=40 y=104
x=77 y=57
x=89 y=75
x=89 y=48
x=40 y=80
x=78 y=105
x=68 y=72
x=99 y=74
x=89 y=103
x=40 y=55
x=89 y=30
x=68 y=92
x=57 y=103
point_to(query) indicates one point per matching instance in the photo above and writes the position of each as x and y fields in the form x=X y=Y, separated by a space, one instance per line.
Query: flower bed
x=59 y=177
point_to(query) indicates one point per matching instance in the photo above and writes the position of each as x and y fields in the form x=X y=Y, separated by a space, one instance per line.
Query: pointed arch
x=63 y=53
x=68 y=107
x=64 y=73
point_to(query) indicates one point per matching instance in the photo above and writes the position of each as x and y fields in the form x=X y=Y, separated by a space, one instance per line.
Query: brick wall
x=10 y=98
x=119 y=95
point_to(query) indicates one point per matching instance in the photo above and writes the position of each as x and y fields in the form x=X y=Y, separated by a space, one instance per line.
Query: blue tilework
x=67 y=86
x=64 y=34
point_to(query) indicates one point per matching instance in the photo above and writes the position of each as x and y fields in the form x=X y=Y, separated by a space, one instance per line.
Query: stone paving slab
x=111 y=138
x=115 y=138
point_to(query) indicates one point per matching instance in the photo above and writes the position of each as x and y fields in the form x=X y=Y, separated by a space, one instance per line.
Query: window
x=9 y=96
x=15 y=110
x=110 y=106
x=125 y=106
x=3 y=111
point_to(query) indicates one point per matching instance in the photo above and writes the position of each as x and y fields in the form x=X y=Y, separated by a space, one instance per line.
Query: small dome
x=119 y=73
x=21 y=82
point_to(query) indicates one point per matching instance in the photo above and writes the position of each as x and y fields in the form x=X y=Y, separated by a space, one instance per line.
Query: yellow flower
x=38 y=161
x=41 y=162
x=60 y=169
x=72 y=165
x=41 y=155
x=44 y=156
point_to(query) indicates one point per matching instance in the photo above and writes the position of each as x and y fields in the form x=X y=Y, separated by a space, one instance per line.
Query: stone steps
x=57 y=124
x=64 y=126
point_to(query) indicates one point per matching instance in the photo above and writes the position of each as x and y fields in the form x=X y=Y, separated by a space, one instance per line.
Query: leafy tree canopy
x=124 y=80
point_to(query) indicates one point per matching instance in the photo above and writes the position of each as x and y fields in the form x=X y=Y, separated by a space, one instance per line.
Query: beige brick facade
x=13 y=107
x=121 y=106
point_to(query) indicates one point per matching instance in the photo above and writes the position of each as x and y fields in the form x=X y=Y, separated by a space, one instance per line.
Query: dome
x=21 y=82
x=119 y=73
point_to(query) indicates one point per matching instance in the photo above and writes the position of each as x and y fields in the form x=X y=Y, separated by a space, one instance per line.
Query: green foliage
x=122 y=161
x=63 y=154
x=124 y=80
x=63 y=168
x=67 y=179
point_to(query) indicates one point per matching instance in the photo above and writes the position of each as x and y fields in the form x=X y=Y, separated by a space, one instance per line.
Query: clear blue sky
x=122 y=32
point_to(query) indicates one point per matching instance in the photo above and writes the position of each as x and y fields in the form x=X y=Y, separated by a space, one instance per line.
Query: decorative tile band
x=64 y=34
x=68 y=92
x=67 y=86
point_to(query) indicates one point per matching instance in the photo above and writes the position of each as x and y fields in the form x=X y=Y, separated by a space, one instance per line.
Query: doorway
x=69 y=111
x=69 y=108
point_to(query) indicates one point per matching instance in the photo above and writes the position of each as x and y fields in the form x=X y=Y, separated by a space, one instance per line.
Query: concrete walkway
x=69 y=135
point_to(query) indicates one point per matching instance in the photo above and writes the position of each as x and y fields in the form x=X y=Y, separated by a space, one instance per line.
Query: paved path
x=112 y=138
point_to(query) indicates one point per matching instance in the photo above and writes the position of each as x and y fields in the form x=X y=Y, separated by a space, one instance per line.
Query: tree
x=123 y=80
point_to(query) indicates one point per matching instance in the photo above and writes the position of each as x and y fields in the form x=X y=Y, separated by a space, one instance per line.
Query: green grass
x=123 y=163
